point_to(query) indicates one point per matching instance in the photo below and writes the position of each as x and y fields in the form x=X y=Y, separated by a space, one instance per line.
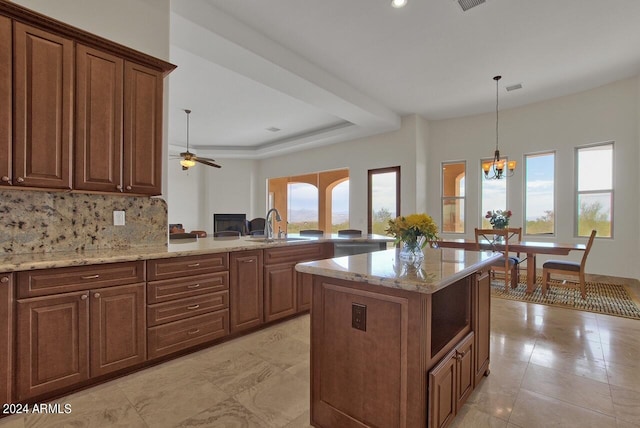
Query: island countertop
x=175 y=248
x=440 y=267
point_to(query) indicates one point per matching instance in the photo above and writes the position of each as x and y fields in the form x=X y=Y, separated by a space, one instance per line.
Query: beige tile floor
x=549 y=367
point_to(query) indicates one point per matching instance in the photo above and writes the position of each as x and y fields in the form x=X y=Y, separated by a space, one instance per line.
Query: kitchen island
x=395 y=344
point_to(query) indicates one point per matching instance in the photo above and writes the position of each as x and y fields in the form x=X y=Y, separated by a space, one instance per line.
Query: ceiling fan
x=189 y=159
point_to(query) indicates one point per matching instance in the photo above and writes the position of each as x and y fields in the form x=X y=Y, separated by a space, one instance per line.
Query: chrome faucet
x=268 y=228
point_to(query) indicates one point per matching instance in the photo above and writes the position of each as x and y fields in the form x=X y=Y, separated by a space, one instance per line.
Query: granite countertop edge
x=10 y=262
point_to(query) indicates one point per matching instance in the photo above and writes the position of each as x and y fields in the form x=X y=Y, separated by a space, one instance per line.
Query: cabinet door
x=6 y=104
x=442 y=392
x=482 y=324
x=118 y=329
x=465 y=373
x=98 y=145
x=279 y=291
x=6 y=336
x=245 y=290
x=142 y=160
x=52 y=341
x=304 y=289
x=43 y=101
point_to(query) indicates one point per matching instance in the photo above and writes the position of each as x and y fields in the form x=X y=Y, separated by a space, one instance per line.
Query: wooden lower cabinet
x=6 y=336
x=304 y=290
x=118 y=330
x=52 y=343
x=482 y=324
x=245 y=290
x=279 y=291
x=65 y=339
x=451 y=382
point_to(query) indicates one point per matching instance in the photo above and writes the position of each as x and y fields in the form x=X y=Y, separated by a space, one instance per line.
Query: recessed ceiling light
x=398 y=3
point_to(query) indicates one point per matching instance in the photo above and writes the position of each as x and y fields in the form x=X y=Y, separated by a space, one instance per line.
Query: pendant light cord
x=497 y=79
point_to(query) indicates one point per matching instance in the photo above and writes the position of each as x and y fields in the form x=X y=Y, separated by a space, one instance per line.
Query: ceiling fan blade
x=207 y=162
x=206 y=159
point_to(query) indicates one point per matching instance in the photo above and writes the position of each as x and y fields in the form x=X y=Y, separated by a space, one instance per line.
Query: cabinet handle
x=128 y=187
x=194 y=265
x=193 y=286
x=248 y=261
x=20 y=180
x=4 y=279
x=192 y=307
x=84 y=297
x=119 y=187
x=96 y=295
x=192 y=332
x=460 y=355
x=6 y=179
x=96 y=276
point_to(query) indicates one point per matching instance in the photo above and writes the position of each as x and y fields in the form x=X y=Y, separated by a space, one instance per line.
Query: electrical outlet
x=359 y=316
x=118 y=218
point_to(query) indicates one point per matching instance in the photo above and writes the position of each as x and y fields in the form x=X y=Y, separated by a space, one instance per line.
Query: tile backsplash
x=39 y=222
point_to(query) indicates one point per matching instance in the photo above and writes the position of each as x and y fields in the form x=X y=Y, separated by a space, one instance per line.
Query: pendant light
x=495 y=169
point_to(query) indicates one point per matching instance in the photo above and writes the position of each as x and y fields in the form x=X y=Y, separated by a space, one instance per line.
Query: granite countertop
x=440 y=267
x=175 y=248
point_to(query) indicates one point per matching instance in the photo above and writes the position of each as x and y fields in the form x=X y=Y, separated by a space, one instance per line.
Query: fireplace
x=237 y=222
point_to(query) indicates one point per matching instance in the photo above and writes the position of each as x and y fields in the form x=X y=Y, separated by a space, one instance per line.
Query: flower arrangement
x=499 y=219
x=410 y=228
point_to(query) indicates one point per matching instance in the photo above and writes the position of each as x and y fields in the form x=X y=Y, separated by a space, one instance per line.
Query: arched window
x=340 y=206
x=302 y=207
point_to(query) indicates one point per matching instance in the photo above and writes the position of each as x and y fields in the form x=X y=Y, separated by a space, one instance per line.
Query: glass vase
x=411 y=251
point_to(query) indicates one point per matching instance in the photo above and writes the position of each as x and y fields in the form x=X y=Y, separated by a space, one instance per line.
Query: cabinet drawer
x=295 y=253
x=191 y=265
x=171 y=289
x=178 y=335
x=175 y=310
x=63 y=280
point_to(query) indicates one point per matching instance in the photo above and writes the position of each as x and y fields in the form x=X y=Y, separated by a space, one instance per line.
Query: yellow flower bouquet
x=414 y=231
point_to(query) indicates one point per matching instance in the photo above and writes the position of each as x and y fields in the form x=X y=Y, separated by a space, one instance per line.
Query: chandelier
x=495 y=169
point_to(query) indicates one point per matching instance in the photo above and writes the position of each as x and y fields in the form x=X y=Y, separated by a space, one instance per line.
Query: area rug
x=603 y=298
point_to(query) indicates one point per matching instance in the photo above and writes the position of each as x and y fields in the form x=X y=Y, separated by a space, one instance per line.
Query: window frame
x=463 y=198
x=555 y=193
x=370 y=174
x=576 y=207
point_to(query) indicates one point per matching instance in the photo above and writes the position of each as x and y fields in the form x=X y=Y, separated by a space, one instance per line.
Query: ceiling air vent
x=468 y=4
x=273 y=129
x=514 y=87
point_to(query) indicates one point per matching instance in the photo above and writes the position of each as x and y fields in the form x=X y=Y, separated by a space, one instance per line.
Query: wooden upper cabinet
x=99 y=98
x=43 y=107
x=142 y=129
x=5 y=103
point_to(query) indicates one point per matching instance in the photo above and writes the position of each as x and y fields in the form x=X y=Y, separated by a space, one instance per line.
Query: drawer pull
x=4 y=279
x=192 y=332
x=249 y=261
x=84 y=297
x=6 y=179
x=192 y=307
x=194 y=265
x=96 y=276
x=193 y=286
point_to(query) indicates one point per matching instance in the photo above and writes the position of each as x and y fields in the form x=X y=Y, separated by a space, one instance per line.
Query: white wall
x=607 y=113
x=379 y=151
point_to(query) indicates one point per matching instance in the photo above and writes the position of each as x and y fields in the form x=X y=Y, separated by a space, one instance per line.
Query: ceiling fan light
x=187 y=163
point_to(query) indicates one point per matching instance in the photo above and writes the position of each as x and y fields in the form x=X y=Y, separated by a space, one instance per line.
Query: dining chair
x=312 y=232
x=350 y=232
x=499 y=240
x=567 y=268
x=226 y=233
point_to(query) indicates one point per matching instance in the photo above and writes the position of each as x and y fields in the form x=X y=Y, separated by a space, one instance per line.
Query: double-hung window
x=453 y=196
x=594 y=195
x=539 y=194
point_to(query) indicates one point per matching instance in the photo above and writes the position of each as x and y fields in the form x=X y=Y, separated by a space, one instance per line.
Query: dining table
x=530 y=248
